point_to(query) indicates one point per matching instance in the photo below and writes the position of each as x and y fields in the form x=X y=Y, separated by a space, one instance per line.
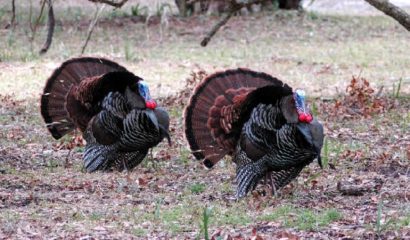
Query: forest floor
x=362 y=192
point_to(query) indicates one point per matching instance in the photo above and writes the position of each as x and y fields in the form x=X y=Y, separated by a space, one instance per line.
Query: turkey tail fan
x=69 y=74
x=209 y=134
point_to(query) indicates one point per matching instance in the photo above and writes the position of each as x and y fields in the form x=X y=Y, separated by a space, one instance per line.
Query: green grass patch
x=302 y=218
x=170 y=219
x=197 y=188
x=96 y=216
x=307 y=219
x=234 y=215
x=276 y=214
x=139 y=232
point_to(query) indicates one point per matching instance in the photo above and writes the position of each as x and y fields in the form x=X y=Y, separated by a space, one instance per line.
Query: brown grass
x=44 y=193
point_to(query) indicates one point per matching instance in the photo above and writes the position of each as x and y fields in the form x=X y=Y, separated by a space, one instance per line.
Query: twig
x=91 y=28
x=67 y=158
x=51 y=25
x=111 y=3
x=406 y=191
x=379 y=93
x=393 y=11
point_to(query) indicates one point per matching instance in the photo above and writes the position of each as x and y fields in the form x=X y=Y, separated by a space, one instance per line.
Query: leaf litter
x=41 y=196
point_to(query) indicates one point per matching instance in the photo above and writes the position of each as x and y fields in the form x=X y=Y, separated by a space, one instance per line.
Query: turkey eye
x=134 y=87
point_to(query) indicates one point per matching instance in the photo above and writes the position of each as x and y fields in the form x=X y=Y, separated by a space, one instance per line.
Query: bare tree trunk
x=13 y=16
x=182 y=7
x=50 y=25
x=289 y=4
x=393 y=11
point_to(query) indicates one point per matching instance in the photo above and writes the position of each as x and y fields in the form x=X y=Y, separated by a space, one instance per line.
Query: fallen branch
x=393 y=11
x=111 y=3
x=91 y=27
x=358 y=189
x=50 y=26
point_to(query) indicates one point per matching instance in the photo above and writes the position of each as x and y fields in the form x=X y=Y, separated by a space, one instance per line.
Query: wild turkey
x=112 y=108
x=259 y=121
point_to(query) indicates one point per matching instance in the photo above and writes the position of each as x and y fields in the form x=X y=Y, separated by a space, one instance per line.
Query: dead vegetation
x=43 y=186
x=360 y=100
x=362 y=193
x=181 y=98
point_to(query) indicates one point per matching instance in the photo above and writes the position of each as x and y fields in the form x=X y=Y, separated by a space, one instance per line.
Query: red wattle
x=302 y=117
x=306 y=118
x=151 y=104
x=309 y=118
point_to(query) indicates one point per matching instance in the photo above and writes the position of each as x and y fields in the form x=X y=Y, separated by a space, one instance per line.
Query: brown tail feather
x=210 y=115
x=69 y=74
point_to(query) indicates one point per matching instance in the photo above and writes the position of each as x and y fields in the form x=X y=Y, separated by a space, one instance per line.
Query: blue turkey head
x=143 y=90
x=300 y=103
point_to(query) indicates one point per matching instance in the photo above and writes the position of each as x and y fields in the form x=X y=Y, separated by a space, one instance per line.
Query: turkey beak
x=169 y=139
x=166 y=135
x=319 y=158
x=153 y=118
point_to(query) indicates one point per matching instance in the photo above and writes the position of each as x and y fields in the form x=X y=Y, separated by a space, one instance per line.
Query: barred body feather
x=258 y=120
x=110 y=106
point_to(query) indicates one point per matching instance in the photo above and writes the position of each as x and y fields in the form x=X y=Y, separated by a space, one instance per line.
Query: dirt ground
x=349 y=7
x=362 y=192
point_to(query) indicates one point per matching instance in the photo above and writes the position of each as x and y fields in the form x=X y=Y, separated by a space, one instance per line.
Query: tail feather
x=69 y=74
x=205 y=126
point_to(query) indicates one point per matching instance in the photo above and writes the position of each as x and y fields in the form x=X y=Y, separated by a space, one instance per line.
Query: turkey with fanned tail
x=111 y=107
x=258 y=120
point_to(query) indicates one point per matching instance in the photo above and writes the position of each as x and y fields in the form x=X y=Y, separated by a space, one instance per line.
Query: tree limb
x=393 y=11
x=91 y=27
x=111 y=3
x=216 y=27
x=235 y=5
x=50 y=26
